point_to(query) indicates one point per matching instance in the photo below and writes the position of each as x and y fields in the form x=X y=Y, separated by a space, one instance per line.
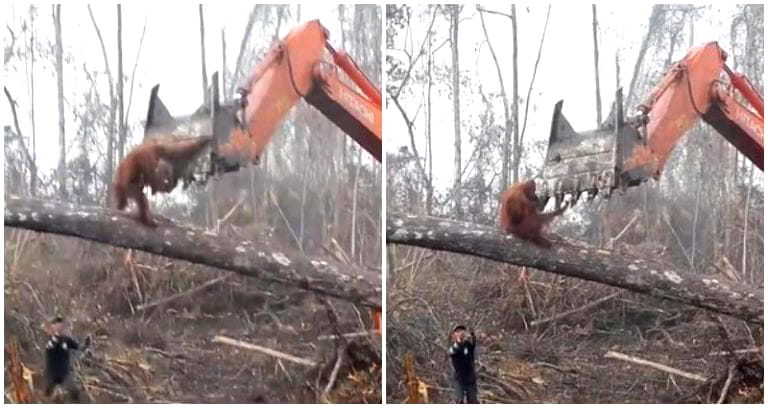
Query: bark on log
x=607 y=267
x=248 y=258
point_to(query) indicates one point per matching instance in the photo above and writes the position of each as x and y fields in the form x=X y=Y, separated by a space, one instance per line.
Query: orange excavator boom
x=627 y=152
x=302 y=65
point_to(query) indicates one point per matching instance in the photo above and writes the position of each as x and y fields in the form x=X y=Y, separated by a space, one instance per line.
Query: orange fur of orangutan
x=518 y=214
x=152 y=164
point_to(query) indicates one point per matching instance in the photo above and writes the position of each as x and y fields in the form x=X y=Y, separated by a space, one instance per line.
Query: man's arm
x=72 y=343
x=473 y=340
x=453 y=349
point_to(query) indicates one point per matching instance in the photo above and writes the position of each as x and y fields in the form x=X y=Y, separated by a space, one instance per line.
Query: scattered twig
x=555 y=367
x=525 y=282
x=36 y=297
x=333 y=318
x=340 y=253
x=335 y=372
x=103 y=388
x=185 y=293
x=229 y=214
x=166 y=354
x=723 y=333
x=347 y=335
x=658 y=366
x=727 y=385
x=129 y=263
x=285 y=219
x=740 y=351
x=612 y=241
x=522 y=394
x=574 y=311
x=267 y=351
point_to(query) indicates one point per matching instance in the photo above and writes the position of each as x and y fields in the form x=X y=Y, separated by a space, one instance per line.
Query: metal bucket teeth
x=590 y=161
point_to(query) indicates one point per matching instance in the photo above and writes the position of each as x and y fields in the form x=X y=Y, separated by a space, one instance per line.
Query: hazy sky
x=170 y=56
x=566 y=69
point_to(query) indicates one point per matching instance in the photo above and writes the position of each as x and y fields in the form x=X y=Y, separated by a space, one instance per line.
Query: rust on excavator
x=627 y=152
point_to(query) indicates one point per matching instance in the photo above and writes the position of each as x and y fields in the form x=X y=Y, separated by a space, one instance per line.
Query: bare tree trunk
x=133 y=71
x=202 y=53
x=223 y=61
x=29 y=158
x=245 y=257
x=515 y=100
x=62 y=170
x=695 y=224
x=430 y=187
x=341 y=172
x=305 y=178
x=645 y=276
x=120 y=102
x=598 y=104
x=33 y=167
x=656 y=14
x=112 y=108
x=746 y=230
x=507 y=119
x=530 y=87
x=353 y=239
x=241 y=54
x=280 y=12
x=340 y=11
x=456 y=111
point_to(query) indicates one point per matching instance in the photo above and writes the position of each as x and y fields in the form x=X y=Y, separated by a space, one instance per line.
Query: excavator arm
x=627 y=152
x=301 y=65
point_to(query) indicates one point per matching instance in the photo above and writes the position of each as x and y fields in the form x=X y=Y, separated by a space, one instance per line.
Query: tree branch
x=194 y=245
x=133 y=72
x=533 y=78
x=13 y=103
x=610 y=268
x=482 y=10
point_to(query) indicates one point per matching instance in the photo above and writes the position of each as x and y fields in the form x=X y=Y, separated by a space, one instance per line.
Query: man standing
x=58 y=371
x=462 y=352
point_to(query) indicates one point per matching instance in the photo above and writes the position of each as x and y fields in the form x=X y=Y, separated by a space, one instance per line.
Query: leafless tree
x=454 y=12
x=202 y=53
x=597 y=67
x=62 y=169
x=113 y=106
x=120 y=102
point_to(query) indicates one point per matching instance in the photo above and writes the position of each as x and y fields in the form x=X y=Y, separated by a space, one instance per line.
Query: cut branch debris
x=658 y=366
x=176 y=296
x=261 y=349
x=574 y=311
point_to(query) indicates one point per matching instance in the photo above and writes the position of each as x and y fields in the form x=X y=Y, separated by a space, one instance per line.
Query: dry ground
x=562 y=361
x=165 y=353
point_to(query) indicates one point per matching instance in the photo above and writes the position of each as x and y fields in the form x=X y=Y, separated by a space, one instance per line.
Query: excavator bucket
x=588 y=161
x=210 y=119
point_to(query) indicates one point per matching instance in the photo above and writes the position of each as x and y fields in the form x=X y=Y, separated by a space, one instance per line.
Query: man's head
x=459 y=334
x=56 y=326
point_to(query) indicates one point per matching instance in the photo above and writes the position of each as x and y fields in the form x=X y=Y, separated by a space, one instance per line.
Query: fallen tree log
x=248 y=258
x=611 y=268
